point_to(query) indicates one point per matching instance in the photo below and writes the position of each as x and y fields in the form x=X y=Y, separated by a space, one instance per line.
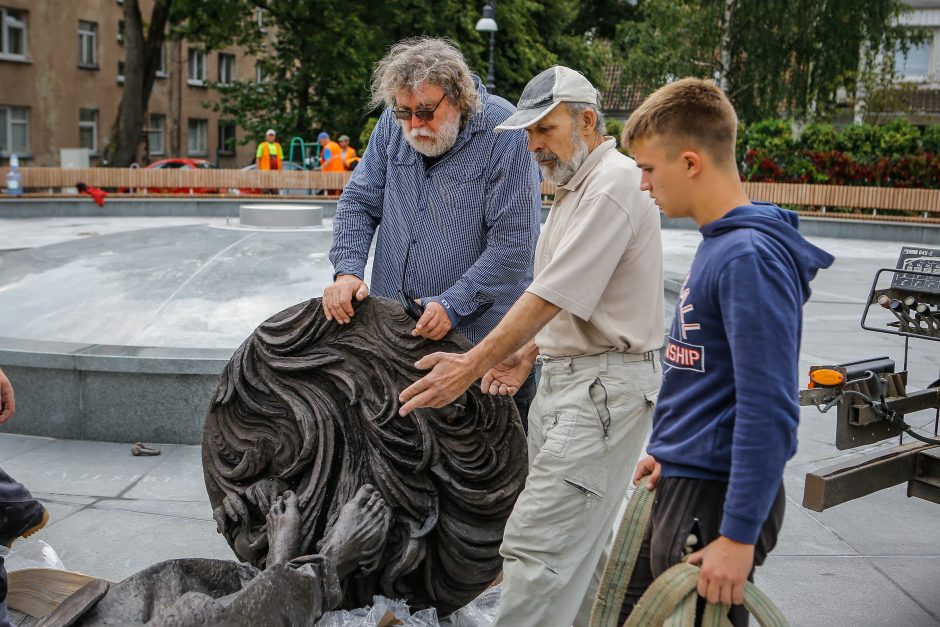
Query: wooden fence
x=924 y=204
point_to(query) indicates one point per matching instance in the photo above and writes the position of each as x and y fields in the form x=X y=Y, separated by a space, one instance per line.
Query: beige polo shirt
x=599 y=258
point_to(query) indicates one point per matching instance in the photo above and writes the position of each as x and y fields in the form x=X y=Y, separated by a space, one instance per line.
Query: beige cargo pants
x=587 y=427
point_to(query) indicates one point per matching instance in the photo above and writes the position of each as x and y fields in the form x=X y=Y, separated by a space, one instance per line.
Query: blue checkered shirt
x=468 y=225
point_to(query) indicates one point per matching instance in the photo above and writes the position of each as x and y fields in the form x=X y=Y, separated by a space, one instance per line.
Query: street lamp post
x=487 y=24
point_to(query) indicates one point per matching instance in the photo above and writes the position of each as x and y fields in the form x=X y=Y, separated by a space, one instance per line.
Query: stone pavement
x=873 y=561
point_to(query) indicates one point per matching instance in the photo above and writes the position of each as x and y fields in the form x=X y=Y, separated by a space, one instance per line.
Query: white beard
x=560 y=172
x=441 y=141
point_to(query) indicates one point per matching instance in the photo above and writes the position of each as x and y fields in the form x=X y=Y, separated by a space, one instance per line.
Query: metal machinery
x=872 y=400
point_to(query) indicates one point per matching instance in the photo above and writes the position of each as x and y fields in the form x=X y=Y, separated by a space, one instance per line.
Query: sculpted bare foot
x=283 y=529
x=358 y=536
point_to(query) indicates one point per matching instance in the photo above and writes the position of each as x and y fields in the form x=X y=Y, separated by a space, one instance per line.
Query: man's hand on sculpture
x=7 y=400
x=337 y=297
x=725 y=567
x=434 y=323
x=506 y=377
x=451 y=374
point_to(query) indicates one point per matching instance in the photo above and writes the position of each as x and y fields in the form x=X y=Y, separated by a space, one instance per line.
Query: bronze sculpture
x=303 y=423
x=309 y=405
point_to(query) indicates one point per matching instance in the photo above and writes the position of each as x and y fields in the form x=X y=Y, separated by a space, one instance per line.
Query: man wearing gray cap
x=594 y=316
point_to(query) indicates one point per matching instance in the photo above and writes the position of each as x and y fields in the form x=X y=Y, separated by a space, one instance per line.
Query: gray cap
x=546 y=91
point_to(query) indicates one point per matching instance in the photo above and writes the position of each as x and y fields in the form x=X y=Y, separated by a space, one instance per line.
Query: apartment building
x=61 y=82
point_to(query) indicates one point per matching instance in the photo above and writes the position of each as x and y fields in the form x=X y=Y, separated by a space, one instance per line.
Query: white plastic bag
x=30 y=554
x=481 y=612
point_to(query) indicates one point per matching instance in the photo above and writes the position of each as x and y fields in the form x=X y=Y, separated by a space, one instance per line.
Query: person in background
x=270 y=156
x=347 y=152
x=328 y=148
x=20 y=514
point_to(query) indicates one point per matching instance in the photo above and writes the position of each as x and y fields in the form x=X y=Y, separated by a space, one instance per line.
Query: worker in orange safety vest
x=270 y=156
x=344 y=159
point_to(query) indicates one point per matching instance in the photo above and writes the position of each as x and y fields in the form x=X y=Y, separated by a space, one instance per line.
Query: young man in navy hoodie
x=726 y=420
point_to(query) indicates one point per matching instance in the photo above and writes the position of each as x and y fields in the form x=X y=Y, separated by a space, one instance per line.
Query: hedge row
x=896 y=154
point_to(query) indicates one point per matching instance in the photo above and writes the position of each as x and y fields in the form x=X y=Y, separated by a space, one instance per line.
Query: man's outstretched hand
x=451 y=374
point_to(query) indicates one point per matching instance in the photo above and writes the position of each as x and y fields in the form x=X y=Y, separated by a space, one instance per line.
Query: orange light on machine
x=825 y=378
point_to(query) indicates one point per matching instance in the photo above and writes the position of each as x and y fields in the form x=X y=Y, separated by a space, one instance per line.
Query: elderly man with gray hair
x=594 y=316
x=457 y=207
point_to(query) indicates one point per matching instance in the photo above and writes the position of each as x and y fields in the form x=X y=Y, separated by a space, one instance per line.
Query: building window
x=14 y=130
x=261 y=75
x=88 y=44
x=161 y=67
x=226 y=68
x=120 y=73
x=155 y=134
x=12 y=34
x=226 y=138
x=259 y=18
x=915 y=64
x=120 y=33
x=88 y=129
x=197 y=66
x=198 y=137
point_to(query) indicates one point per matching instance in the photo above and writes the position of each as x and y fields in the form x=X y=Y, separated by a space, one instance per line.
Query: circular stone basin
x=121 y=337
x=280 y=216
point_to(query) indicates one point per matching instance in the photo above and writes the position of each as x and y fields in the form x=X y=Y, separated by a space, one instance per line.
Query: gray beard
x=441 y=142
x=562 y=171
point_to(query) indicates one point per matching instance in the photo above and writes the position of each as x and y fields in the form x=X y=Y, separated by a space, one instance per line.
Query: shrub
x=613 y=127
x=841 y=169
x=366 y=134
x=818 y=137
x=774 y=137
x=801 y=169
x=898 y=138
x=861 y=141
x=759 y=166
x=931 y=138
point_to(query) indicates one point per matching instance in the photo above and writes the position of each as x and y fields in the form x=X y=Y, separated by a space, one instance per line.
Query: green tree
x=143 y=41
x=319 y=54
x=770 y=57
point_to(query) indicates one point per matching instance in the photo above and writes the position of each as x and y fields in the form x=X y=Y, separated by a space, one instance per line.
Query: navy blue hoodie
x=728 y=406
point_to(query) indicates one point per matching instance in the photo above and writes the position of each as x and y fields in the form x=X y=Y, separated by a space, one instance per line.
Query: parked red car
x=182 y=163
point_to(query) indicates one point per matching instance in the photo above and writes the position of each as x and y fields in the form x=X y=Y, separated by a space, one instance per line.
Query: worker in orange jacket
x=328 y=148
x=270 y=156
x=342 y=160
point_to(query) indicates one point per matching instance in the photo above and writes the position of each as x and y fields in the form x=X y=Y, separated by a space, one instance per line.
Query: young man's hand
x=725 y=567
x=337 y=297
x=647 y=467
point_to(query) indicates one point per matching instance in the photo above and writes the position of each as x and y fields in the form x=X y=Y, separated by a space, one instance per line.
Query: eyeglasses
x=425 y=115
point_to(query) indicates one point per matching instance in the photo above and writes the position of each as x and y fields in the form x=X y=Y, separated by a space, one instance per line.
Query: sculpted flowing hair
x=418 y=60
x=691 y=110
x=313 y=405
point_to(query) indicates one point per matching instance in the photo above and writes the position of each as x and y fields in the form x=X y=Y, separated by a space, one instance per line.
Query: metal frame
x=917 y=464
